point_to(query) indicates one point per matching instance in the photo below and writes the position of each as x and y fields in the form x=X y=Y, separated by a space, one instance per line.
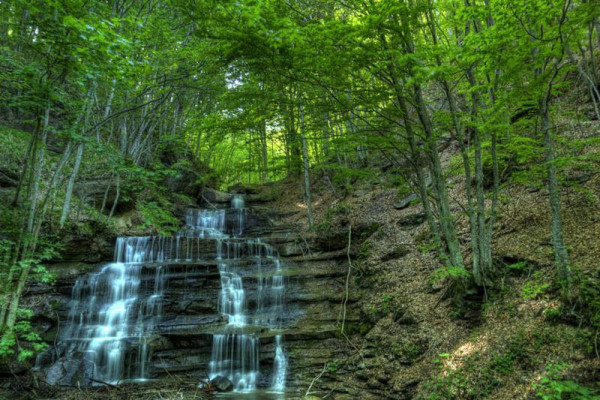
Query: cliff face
x=182 y=341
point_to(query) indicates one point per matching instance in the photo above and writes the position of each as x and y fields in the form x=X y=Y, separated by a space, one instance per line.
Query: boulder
x=405 y=202
x=412 y=220
x=215 y=196
x=238 y=188
x=184 y=181
x=93 y=192
x=222 y=384
x=13 y=367
x=70 y=371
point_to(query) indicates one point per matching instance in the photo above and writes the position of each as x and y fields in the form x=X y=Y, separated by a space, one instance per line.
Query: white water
x=111 y=321
x=235 y=355
x=278 y=383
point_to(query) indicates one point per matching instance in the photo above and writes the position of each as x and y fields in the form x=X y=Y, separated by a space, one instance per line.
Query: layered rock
x=182 y=339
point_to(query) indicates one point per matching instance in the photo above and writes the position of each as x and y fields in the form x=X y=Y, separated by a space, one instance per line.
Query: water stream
x=115 y=313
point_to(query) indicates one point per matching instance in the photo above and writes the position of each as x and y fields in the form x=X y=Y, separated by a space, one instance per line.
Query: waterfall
x=116 y=312
x=278 y=384
x=235 y=354
x=108 y=320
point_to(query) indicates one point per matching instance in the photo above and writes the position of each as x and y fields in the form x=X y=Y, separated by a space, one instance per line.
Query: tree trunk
x=306 y=172
x=69 y=193
x=560 y=250
x=446 y=219
x=263 y=142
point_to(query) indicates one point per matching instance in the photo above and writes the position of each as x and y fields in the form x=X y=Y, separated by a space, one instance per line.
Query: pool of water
x=257 y=395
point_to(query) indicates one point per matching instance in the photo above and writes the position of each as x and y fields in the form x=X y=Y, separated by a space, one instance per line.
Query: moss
x=358 y=328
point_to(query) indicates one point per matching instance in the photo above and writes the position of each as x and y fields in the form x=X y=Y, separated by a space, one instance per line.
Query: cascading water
x=235 y=354
x=116 y=313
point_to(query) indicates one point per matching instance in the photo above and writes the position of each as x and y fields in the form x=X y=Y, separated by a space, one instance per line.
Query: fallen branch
x=316 y=378
x=209 y=203
x=345 y=301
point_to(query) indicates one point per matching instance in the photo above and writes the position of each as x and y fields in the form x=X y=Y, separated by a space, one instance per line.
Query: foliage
x=23 y=337
x=536 y=287
x=157 y=218
x=552 y=386
x=453 y=273
x=332 y=366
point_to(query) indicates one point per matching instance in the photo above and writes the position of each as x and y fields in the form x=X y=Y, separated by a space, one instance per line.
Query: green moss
x=360 y=328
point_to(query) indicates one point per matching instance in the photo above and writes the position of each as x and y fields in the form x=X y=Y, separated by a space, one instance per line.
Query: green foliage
x=340 y=210
x=22 y=338
x=453 y=273
x=553 y=314
x=552 y=386
x=387 y=303
x=359 y=328
x=158 y=218
x=332 y=366
x=518 y=268
x=537 y=287
x=589 y=300
x=364 y=251
x=408 y=351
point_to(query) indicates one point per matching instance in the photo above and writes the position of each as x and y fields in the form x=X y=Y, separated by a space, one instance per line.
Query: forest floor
x=418 y=340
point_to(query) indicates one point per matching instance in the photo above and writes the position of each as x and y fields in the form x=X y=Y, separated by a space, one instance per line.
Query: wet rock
x=13 y=367
x=243 y=189
x=222 y=384
x=405 y=202
x=70 y=371
x=412 y=220
x=86 y=249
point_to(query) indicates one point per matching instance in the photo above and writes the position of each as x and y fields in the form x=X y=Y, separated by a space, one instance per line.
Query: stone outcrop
x=182 y=341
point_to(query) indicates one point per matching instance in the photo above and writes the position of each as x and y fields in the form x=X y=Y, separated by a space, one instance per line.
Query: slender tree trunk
x=263 y=142
x=305 y=164
x=116 y=201
x=38 y=172
x=446 y=219
x=560 y=250
x=421 y=183
x=69 y=193
x=28 y=156
x=464 y=152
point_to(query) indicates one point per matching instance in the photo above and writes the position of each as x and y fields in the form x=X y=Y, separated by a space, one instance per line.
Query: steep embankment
x=414 y=338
